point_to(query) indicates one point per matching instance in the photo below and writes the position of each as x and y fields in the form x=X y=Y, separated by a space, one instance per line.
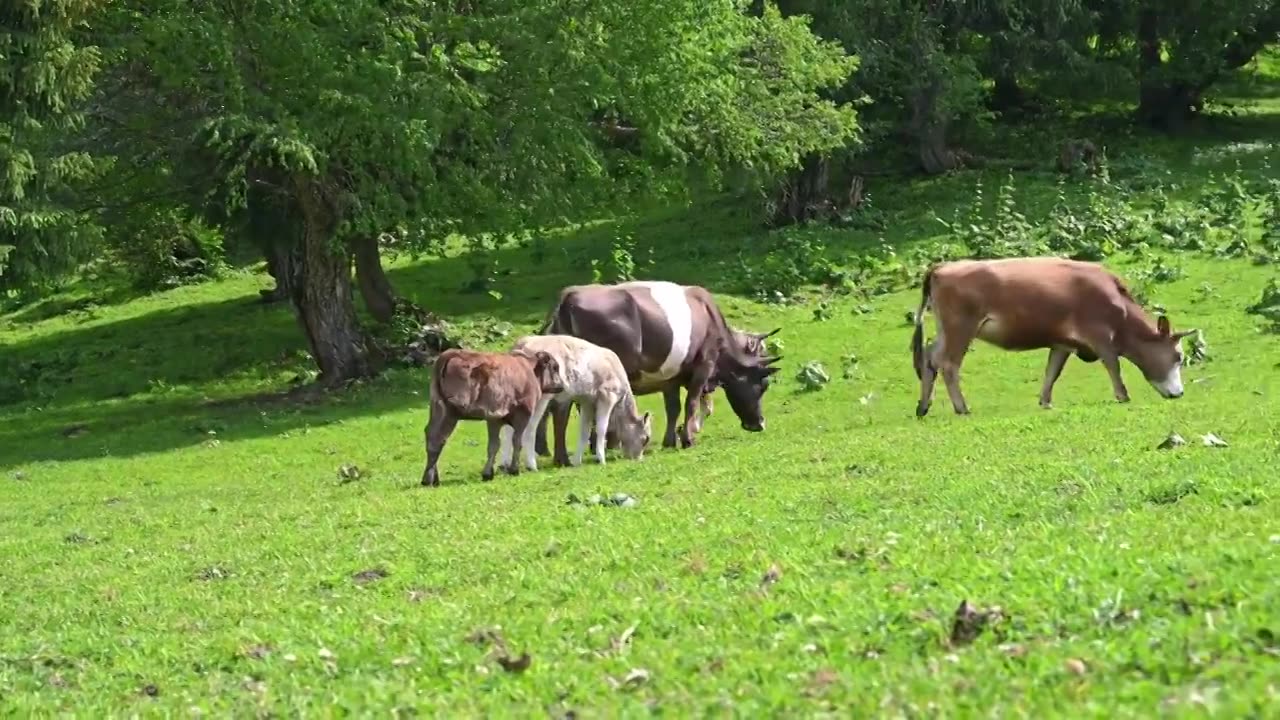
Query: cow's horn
x=771 y=333
x=772 y=360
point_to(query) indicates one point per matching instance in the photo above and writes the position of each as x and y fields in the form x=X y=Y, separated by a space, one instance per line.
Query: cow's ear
x=1162 y=326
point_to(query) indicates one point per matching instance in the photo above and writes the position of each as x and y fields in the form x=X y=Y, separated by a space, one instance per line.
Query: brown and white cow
x=1034 y=303
x=668 y=337
x=502 y=389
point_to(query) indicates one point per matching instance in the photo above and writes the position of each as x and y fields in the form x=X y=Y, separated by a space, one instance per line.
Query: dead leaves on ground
x=1174 y=440
x=499 y=652
x=970 y=621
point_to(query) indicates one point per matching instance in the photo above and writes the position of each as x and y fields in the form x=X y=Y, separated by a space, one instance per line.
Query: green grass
x=170 y=545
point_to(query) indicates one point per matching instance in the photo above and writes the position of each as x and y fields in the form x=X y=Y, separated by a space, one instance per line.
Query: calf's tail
x=917 y=336
x=438 y=397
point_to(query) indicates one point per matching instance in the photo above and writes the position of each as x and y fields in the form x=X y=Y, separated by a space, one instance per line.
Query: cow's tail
x=917 y=336
x=439 y=401
x=552 y=324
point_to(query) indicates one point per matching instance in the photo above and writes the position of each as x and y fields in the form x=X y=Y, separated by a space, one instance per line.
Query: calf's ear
x=1162 y=326
x=545 y=368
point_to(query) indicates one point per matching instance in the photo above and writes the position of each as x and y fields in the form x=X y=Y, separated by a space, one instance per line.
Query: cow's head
x=745 y=381
x=752 y=345
x=1159 y=357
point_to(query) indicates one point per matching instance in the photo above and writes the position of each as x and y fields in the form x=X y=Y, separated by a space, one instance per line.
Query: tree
x=364 y=115
x=1185 y=46
x=44 y=75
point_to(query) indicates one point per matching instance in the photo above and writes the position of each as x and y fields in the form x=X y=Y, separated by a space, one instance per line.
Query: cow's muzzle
x=754 y=427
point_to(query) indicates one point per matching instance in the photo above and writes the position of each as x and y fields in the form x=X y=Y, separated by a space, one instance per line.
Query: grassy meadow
x=176 y=540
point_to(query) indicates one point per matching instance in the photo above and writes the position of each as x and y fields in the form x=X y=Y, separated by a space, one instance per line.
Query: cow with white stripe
x=668 y=337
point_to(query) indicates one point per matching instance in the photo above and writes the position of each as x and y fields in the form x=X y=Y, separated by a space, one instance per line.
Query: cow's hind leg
x=495 y=442
x=436 y=434
x=1057 y=360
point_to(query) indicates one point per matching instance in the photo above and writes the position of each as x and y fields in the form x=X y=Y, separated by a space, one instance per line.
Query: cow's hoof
x=512 y=469
x=562 y=462
x=962 y=411
x=668 y=442
x=1122 y=398
x=922 y=410
x=686 y=443
x=486 y=476
x=1046 y=405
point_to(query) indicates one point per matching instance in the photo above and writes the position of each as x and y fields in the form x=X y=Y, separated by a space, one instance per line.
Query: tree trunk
x=1007 y=95
x=322 y=296
x=803 y=195
x=930 y=131
x=375 y=288
x=282 y=265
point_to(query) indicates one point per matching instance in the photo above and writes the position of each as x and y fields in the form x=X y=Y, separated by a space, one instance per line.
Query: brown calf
x=499 y=388
x=1034 y=303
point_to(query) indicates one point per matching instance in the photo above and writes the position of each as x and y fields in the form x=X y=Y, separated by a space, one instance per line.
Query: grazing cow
x=667 y=336
x=499 y=388
x=591 y=376
x=1035 y=303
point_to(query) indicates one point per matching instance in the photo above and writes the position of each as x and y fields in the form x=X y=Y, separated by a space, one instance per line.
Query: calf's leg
x=540 y=437
x=436 y=434
x=495 y=440
x=521 y=421
x=604 y=409
x=586 y=418
x=536 y=423
x=1057 y=360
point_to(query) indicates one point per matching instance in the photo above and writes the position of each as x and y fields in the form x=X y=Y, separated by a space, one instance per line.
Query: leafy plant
x=620 y=265
x=812 y=376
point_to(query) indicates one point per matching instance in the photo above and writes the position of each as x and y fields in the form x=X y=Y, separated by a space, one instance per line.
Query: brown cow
x=1034 y=303
x=499 y=388
x=668 y=337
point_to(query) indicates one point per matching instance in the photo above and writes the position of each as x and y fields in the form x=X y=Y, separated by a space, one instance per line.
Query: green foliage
x=44 y=76
x=1268 y=306
x=621 y=265
x=166 y=249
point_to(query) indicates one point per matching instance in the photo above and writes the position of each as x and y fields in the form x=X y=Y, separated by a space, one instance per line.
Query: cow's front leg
x=1111 y=362
x=671 y=398
x=694 y=392
x=1053 y=369
x=560 y=424
x=536 y=421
